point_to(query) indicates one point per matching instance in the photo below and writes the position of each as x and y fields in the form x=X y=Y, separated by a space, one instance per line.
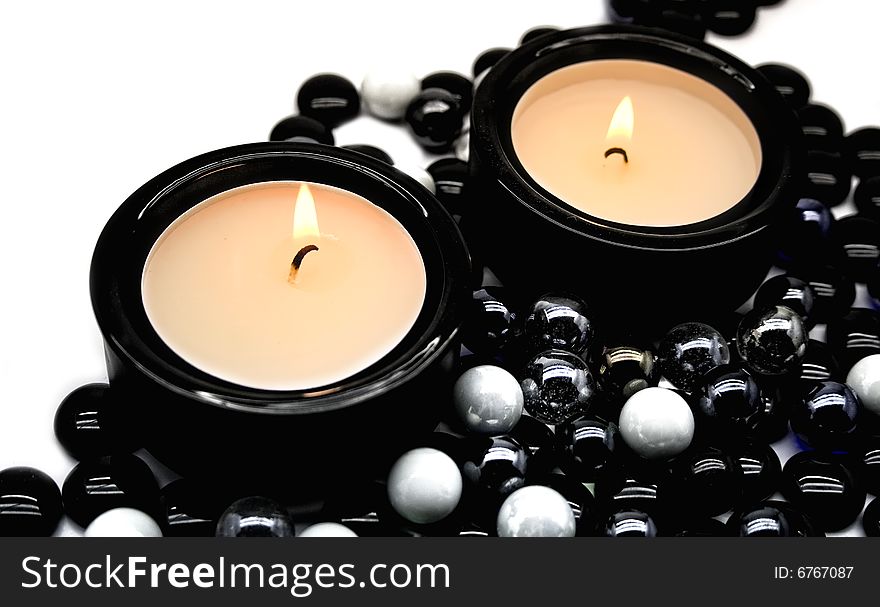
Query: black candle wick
x=620 y=151
x=298 y=259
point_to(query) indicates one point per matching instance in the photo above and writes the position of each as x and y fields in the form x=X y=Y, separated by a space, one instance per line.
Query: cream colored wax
x=217 y=286
x=693 y=153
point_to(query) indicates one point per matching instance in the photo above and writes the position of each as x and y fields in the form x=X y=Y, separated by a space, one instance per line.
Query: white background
x=98 y=97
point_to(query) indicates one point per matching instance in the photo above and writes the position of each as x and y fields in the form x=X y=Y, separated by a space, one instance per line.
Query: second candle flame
x=305 y=218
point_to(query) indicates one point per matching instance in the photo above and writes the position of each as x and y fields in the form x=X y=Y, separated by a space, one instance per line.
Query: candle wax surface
x=693 y=153
x=216 y=289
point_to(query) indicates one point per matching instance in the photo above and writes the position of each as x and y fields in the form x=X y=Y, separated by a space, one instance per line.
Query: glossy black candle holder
x=643 y=276
x=195 y=423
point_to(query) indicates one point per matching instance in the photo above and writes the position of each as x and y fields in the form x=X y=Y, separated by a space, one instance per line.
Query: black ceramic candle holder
x=641 y=274
x=196 y=423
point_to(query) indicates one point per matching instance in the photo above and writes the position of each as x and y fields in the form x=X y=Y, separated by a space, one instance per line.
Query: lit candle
x=636 y=142
x=284 y=285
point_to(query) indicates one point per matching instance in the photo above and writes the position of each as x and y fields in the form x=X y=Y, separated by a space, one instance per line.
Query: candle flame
x=621 y=128
x=305 y=218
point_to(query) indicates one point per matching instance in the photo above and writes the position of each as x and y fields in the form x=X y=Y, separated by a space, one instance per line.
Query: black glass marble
x=760 y=467
x=330 y=99
x=686 y=17
x=488 y=323
x=833 y=291
x=301 y=128
x=869 y=468
x=730 y=17
x=493 y=468
x=818 y=364
x=582 y=502
x=628 y=523
x=828 y=178
x=536 y=32
x=458 y=85
x=867 y=198
x=854 y=336
x=705 y=481
x=557 y=386
x=785 y=290
x=827 y=416
x=30 y=503
x=805 y=234
x=487 y=59
x=190 y=509
x=772 y=518
x=729 y=402
x=777 y=398
x=697 y=526
x=589 y=448
x=87 y=424
x=626 y=369
x=451 y=177
x=862 y=152
x=533 y=435
x=559 y=321
x=115 y=481
x=874 y=288
x=772 y=340
x=856 y=240
x=255 y=516
x=435 y=118
x=689 y=351
x=824 y=487
x=822 y=127
x=371 y=151
x=871 y=518
x=791 y=83
x=363 y=507
x=635 y=485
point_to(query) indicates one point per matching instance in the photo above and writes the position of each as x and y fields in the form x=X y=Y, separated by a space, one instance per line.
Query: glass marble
x=827 y=417
x=829 y=179
x=729 y=402
x=761 y=470
x=487 y=59
x=255 y=516
x=86 y=426
x=822 y=127
x=689 y=351
x=871 y=518
x=853 y=336
x=330 y=99
x=493 y=468
x=435 y=119
x=868 y=469
x=579 y=498
x=115 y=481
x=301 y=128
x=536 y=32
x=784 y=290
x=867 y=198
x=862 y=152
x=533 y=435
x=777 y=398
x=772 y=519
x=791 y=83
x=488 y=322
x=371 y=151
x=657 y=423
x=635 y=486
x=626 y=369
x=730 y=17
x=190 y=509
x=772 y=341
x=536 y=511
x=824 y=487
x=557 y=386
x=451 y=177
x=833 y=291
x=706 y=481
x=362 y=507
x=458 y=85
x=629 y=523
x=30 y=503
x=818 y=364
x=805 y=234
x=856 y=239
x=559 y=321
x=488 y=400
x=589 y=447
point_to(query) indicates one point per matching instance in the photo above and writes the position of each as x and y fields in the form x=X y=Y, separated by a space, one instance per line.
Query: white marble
x=657 y=423
x=387 y=93
x=421 y=175
x=327 y=530
x=864 y=379
x=488 y=399
x=424 y=485
x=123 y=522
x=535 y=511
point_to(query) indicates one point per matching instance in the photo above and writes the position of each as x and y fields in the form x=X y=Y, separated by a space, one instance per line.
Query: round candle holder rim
x=421 y=350
x=490 y=130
